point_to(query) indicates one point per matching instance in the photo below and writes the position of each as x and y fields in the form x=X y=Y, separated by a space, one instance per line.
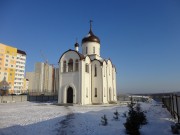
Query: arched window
x=86 y=50
x=86 y=92
x=64 y=66
x=112 y=74
x=77 y=65
x=70 y=65
x=95 y=70
x=87 y=68
x=109 y=70
x=95 y=92
x=104 y=92
x=104 y=71
x=93 y=49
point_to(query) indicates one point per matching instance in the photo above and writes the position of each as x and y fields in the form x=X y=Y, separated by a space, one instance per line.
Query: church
x=86 y=78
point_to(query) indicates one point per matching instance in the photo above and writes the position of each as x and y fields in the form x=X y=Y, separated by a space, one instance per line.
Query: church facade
x=86 y=78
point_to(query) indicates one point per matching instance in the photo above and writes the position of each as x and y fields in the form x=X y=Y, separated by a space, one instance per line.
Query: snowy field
x=27 y=118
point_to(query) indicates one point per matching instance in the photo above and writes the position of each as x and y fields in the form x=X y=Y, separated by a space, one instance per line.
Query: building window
x=104 y=92
x=86 y=50
x=95 y=92
x=6 y=60
x=64 y=66
x=95 y=70
x=104 y=71
x=93 y=49
x=109 y=70
x=11 y=65
x=6 y=64
x=87 y=68
x=112 y=74
x=70 y=65
x=76 y=65
x=86 y=92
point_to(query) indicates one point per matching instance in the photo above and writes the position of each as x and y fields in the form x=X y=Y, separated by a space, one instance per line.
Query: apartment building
x=20 y=71
x=12 y=68
x=43 y=79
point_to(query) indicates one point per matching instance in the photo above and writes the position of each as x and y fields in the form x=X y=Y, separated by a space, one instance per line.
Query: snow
x=27 y=118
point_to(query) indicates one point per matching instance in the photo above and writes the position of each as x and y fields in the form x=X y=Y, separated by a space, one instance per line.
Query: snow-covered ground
x=29 y=118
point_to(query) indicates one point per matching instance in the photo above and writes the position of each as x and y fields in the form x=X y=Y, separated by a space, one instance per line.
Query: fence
x=13 y=98
x=172 y=103
x=42 y=98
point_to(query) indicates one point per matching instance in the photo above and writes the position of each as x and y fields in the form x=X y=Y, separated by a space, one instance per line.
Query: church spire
x=90 y=25
x=90 y=37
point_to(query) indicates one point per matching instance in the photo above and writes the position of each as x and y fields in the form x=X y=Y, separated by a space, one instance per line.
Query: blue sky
x=141 y=37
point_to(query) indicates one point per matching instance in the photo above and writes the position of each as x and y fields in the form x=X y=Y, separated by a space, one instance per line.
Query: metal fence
x=42 y=98
x=172 y=103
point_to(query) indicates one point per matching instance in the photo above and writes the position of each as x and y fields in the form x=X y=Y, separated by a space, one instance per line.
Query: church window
x=76 y=65
x=95 y=70
x=104 y=71
x=112 y=74
x=87 y=68
x=104 y=92
x=64 y=66
x=95 y=92
x=93 y=49
x=86 y=50
x=70 y=65
x=109 y=70
x=86 y=92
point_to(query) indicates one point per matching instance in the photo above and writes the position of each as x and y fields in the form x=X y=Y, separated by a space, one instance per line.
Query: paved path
x=66 y=125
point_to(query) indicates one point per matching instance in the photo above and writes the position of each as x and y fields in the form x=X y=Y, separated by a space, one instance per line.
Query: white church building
x=86 y=78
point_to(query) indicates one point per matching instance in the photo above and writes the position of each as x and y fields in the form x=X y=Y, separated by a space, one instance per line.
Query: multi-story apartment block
x=25 y=86
x=12 y=68
x=20 y=71
x=43 y=80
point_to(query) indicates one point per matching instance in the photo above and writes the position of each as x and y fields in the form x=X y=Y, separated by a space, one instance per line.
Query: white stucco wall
x=90 y=46
x=83 y=83
x=104 y=76
x=69 y=79
x=109 y=81
x=114 y=84
x=86 y=82
x=97 y=82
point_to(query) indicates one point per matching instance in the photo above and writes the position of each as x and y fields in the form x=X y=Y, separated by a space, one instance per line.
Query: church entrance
x=70 y=95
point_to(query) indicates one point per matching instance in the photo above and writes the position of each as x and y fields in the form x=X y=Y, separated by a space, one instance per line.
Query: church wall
x=97 y=82
x=71 y=79
x=90 y=46
x=104 y=76
x=114 y=84
x=86 y=81
x=109 y=80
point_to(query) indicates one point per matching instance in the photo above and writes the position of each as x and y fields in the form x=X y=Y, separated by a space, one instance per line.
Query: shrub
x=104 y=120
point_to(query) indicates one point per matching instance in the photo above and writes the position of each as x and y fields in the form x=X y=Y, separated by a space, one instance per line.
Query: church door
x=70 y=95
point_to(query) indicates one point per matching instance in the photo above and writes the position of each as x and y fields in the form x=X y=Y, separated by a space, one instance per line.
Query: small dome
x=90 y=38
x=76 y=44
